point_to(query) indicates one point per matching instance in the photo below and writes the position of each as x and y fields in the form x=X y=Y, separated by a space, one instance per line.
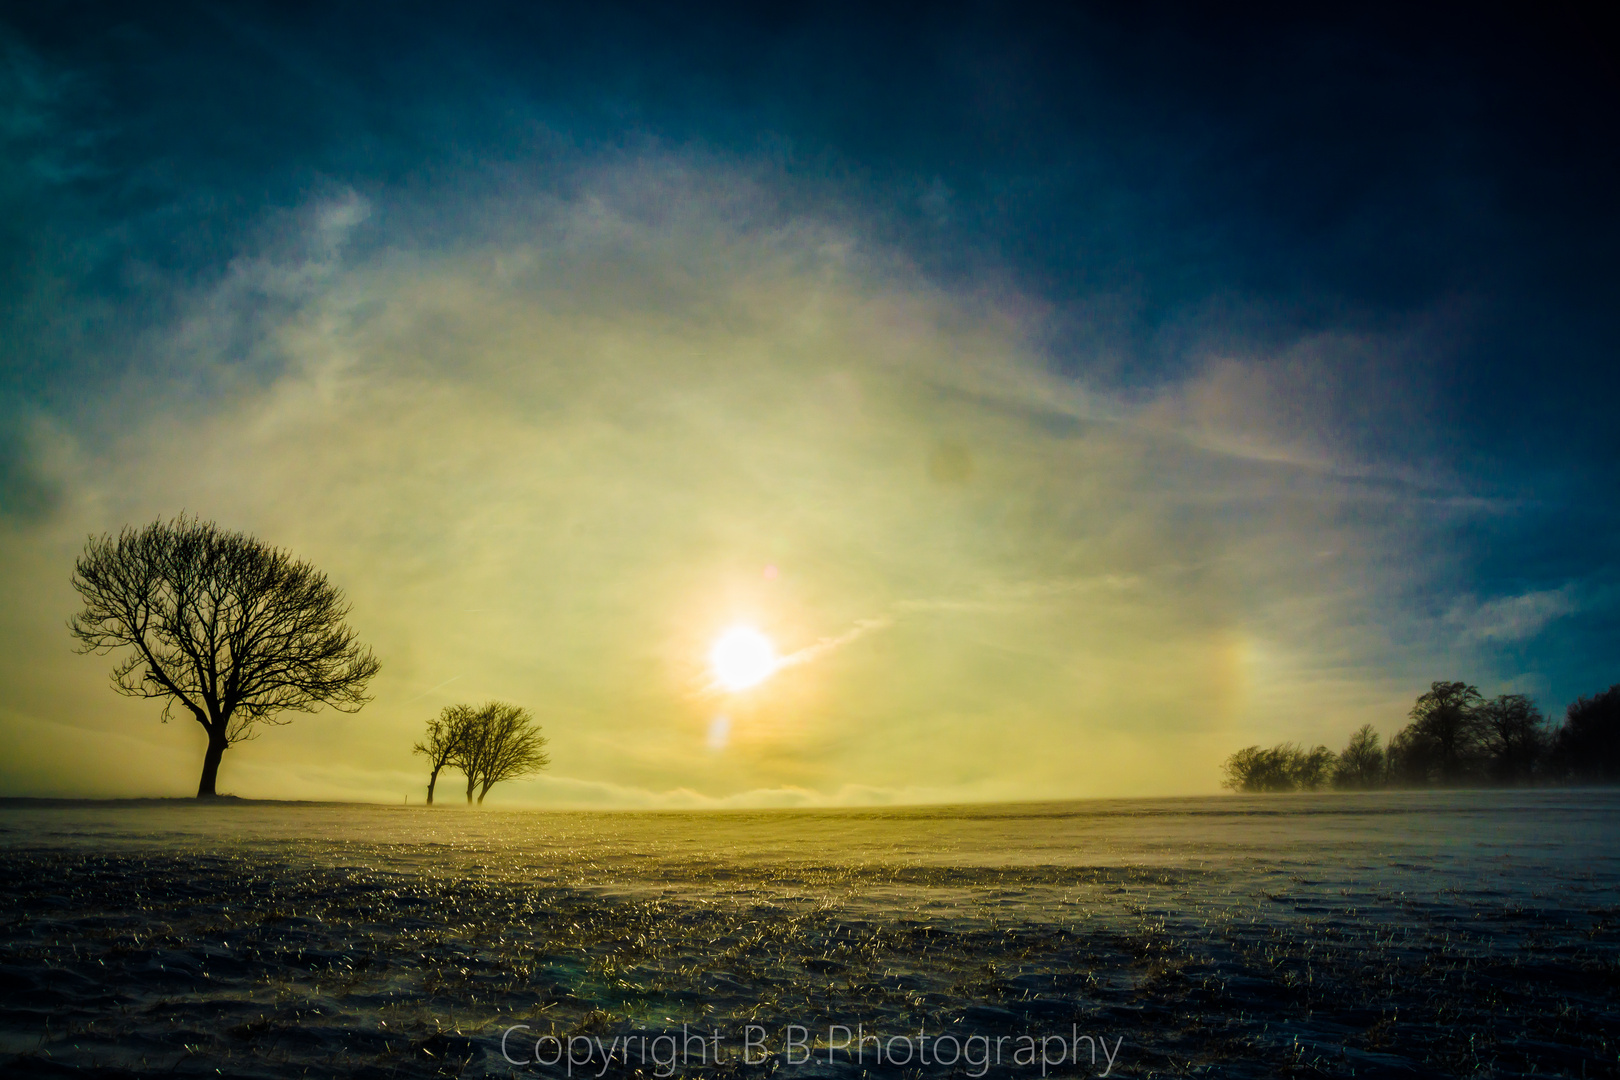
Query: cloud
x=546 y=442
x=811 y=653
x=1510 y=619
x=26 y=493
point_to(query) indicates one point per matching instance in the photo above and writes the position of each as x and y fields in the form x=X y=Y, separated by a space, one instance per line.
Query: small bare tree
x=445 y=742
x=1284 y=767
x=502 y=742
x=1255 y=768
x=234 y=631
x=1361 y=762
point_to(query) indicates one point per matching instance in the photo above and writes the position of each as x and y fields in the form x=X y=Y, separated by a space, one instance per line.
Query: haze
x=558 y=399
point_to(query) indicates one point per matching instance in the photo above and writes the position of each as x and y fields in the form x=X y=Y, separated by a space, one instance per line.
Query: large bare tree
x=224 y=626
x=501 y=742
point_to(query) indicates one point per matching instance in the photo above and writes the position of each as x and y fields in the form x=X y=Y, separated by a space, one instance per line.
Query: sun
x=742 y=657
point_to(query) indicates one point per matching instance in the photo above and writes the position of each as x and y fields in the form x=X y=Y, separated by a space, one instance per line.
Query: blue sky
x=1291 y=335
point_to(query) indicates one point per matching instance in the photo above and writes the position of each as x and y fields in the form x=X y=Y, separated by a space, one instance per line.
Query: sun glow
x=742 y=657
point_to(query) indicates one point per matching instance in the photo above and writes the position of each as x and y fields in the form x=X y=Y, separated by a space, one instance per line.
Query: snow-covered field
x=1388 y=934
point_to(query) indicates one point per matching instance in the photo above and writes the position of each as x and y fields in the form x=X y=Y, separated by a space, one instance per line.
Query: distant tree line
x=1455 y=738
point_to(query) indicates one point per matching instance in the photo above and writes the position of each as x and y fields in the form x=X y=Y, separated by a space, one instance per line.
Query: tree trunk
x=471 y=780
x=210 y=773
x=434 y=779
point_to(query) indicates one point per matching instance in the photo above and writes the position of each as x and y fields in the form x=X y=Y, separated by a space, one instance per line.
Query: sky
x=1071 y=397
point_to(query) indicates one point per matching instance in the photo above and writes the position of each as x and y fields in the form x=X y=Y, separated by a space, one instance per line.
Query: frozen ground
x=1431 y=934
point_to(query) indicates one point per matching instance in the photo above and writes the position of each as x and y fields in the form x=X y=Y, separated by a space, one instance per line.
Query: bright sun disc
x=742 y=657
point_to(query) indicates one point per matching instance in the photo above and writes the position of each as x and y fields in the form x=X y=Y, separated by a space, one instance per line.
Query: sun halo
x=742 y=657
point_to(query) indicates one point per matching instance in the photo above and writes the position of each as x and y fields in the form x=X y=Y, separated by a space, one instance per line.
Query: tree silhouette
x=1284 y=767
x=1455 y=736
x=1587 y=744
x=1410 y=760
x=1513 y=736
x=501 y=742
x=1443 y=740
x=445 y=741
x=1313 y=768
x=1254 y=768
x=1361 y=762
x=234 y=631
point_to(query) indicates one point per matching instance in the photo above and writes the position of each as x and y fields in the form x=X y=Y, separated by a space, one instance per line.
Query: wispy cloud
x=1512 y=618
x=811 y=653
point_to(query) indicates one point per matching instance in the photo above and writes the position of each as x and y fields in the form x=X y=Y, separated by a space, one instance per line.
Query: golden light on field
x=742 y=657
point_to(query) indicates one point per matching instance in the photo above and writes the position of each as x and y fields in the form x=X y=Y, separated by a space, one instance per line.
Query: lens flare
x=719 y=732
